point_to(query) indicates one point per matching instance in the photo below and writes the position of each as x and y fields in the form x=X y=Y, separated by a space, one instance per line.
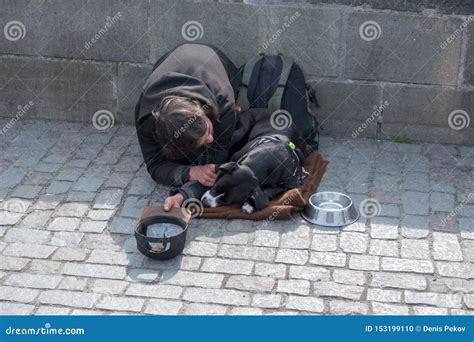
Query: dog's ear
x=226 y=168
x=258 y=199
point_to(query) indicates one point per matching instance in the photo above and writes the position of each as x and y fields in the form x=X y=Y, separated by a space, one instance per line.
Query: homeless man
x=185 y=119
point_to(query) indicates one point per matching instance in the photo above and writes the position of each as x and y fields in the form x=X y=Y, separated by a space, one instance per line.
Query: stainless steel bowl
x=331 y=209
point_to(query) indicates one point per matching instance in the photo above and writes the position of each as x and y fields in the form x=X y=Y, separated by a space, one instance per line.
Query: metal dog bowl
x=331 y=209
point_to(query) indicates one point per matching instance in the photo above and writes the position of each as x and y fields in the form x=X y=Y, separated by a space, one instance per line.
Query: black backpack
x=276 y=82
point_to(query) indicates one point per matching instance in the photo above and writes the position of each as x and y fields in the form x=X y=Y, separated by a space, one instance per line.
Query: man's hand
x=174 y=201
x=204 y=174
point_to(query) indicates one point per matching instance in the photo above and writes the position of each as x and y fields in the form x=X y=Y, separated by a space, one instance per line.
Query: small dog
x=269 y=163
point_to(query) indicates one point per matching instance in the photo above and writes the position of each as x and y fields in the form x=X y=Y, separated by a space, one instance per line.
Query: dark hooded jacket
x=195 y=71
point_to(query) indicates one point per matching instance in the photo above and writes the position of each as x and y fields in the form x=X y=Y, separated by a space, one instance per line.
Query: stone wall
x=65 y=59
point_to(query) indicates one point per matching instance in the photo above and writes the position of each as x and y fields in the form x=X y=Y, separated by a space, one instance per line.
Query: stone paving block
x=427 y=310
x=266 y=238
x=332 y=289
x=343 y=307
x=199 y=248
x=12 y=177
x=441 y=202
x=389 y=309
x=133 y=206
x=94 y=271
x=298 y=238
x=30 y=280
x=414 y=227
x=163 y=307
x=383 y=247
x=250 y=283
x=68 y=298
x=266 y=300
x=227 y=266
x=27 y=235
x=414 y=248
x=93 y=226
x=26 y=191
x=73 y=283
x=72 y=209
x=349 y=277
x=467 y=247
x=16 y=294
x=122 y=225
x=100 y=215
x=9 y=218
x=45 y=266
x=291 y=256
x=305 y=303
x=98 y=256
x=205 y=309
x=270 y=270
x=108 y=199
x=29 y=250
x=7 y=308
x=185 y=278
x=300 y=287
x=391 y=296
x=328 y=259
x=407 y=265
x=52 y=311
x=120 y=303
x=325 y=243
x=69 y=239
x=455 y=269
x=313 y=273
x=446 y=247
x=398 y=280
x=415 y=203
x=154 y=290
x=353 y=242
x=364 y=262
x=436 y=299
x=384 y=228
x=246 y=253
x=218 y=296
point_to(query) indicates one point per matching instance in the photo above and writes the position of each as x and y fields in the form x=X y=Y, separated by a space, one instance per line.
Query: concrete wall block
x=309 y=35
x=469 y=62
x=233 y=28
x=130 y=81
x=352 y=102
x=66 y=90
x=425 y=105
x=66 y=28
x=402 y=48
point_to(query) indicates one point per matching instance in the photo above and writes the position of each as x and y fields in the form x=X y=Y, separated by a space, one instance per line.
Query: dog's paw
x=247 y=208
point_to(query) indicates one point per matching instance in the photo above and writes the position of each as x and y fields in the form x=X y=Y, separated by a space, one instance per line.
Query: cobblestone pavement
x=71 y=195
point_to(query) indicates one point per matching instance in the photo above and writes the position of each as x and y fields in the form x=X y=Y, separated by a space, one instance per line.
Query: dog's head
x=235 y=184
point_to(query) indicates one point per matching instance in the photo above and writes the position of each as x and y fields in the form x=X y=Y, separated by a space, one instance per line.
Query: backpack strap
x=242 y=96
x=274 y=103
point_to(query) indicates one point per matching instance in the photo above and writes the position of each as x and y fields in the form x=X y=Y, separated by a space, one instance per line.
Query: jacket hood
x=176 y=84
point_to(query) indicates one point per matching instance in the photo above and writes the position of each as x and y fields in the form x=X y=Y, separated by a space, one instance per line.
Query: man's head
x=183 y=125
